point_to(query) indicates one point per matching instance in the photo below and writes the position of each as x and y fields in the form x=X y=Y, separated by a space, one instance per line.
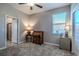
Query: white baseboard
x=51 y=43
x=20 y=42
x=2 y=48
x=75 y=53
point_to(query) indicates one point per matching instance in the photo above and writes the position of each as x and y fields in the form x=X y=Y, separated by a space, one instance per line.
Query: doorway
x=76 y=31
x=11 y=31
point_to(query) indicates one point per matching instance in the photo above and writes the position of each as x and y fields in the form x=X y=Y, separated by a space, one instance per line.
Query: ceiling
x=46 y=6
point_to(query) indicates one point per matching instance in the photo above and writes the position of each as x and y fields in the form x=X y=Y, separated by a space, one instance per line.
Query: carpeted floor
x=30 y=49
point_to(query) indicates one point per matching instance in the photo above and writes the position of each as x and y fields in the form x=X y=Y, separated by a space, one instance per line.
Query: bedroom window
x=58 y=22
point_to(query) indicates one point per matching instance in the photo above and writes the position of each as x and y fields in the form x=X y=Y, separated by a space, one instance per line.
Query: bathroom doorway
x=11 y=31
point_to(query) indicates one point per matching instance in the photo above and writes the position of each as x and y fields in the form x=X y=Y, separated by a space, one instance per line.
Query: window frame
x=53 y=24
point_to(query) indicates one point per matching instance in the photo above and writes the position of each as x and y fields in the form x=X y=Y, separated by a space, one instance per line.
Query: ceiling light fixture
x=30 y=4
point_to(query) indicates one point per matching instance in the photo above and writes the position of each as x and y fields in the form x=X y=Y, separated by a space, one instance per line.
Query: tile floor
x=30 y=49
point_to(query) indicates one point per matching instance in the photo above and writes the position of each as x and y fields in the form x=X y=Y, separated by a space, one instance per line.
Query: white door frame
x=18 y=31
x=74 y=47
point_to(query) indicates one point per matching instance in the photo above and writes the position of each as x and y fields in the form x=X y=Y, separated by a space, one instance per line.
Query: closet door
x=15 y=30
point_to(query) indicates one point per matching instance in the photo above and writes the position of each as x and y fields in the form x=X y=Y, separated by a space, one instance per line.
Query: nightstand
x=65 y=43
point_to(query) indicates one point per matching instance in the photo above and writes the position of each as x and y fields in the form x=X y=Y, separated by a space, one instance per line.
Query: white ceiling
x=46 y=6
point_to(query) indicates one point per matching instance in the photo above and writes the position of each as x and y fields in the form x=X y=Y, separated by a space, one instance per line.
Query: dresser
x=37 y=37
x=65 y=43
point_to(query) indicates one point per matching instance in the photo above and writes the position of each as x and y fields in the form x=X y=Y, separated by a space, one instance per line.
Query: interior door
x=15 y=30
x=76 y=26
x=76 y=30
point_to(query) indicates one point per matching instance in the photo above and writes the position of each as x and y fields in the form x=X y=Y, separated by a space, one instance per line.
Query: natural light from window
x=58 y=22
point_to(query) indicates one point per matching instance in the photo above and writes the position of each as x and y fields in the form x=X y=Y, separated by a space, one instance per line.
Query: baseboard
x=20 y=42
x=51 y=43
x=2 y=48
x=75 y=54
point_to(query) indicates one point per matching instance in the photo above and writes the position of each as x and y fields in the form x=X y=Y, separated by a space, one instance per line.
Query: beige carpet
x=30 y=49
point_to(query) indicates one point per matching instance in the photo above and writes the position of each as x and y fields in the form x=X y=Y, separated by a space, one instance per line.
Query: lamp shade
x=29 y=28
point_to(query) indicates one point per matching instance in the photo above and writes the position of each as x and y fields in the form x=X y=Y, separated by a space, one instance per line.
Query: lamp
x=67 y=27
x=29 y=32
x=30 y=4
x=29 y=29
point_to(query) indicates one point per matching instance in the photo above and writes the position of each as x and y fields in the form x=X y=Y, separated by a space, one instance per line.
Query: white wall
x=6 y=9
x=41 y=22
x=44 y=23
x=2 y=37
